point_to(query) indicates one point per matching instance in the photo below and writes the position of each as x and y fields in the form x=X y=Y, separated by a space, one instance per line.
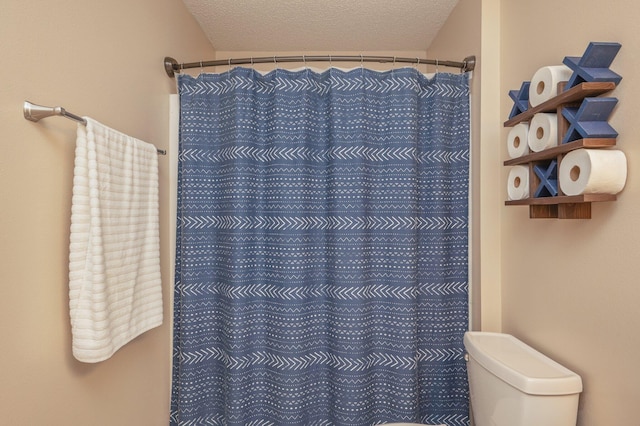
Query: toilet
x=407 y=424
x=512 y=384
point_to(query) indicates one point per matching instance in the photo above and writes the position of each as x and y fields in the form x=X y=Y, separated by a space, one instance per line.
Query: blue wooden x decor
x=590 y=120
x=548 y=180
x=594 y=65
x=520 y=99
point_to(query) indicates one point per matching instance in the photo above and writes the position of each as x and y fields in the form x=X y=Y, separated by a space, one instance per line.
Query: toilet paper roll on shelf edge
x=593 y=171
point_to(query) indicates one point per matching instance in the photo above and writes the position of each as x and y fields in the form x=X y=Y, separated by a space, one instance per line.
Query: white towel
x=115 y=291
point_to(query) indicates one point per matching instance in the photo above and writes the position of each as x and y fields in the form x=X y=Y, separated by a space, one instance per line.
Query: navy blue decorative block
x=594 y=65
x=590 y=120
x=520 y=99
x=548 y=179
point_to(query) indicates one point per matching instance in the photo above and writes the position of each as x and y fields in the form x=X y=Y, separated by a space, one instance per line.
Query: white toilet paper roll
x=518 y=183
x=543 y=131
x=517 y=140
x=544 y=84
x=593 y=171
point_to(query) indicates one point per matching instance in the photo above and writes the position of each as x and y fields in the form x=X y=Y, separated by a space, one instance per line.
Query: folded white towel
x=115 y=291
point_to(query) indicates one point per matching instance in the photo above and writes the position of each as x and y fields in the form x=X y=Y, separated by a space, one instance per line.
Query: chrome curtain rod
x=34 y=112
x=171 y=66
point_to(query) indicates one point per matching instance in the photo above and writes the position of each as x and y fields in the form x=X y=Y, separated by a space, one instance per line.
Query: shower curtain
x=322 y=248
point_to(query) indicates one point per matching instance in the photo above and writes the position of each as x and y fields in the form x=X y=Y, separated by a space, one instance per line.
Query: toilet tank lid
x=520 y=365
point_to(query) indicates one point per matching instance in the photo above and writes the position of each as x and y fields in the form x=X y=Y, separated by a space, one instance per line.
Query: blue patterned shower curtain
x=322 y=248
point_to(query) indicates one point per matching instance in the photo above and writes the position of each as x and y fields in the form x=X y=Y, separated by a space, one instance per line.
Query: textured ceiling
x=320 y=25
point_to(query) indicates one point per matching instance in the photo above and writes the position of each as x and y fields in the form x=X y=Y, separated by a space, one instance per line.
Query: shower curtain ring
x=436 y=66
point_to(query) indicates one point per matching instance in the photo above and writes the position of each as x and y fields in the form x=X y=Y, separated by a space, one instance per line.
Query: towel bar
x=34 y=112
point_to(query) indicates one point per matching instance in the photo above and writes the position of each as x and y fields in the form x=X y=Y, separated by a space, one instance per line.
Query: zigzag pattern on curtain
x=322 y=265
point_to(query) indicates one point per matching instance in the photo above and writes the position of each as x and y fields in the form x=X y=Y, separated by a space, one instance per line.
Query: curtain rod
x=171 y=66
x=34 y=112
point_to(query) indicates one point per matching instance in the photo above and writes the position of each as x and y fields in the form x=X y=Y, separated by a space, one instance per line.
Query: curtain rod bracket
x=469 y=63
x=171 y=66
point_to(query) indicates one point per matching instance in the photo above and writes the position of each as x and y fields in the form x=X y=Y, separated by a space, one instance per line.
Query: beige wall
x=101 y=59
x=571 y=288
x=568 y=288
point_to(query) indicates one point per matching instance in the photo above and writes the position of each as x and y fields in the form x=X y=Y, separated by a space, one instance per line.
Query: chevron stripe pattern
x=322 y=249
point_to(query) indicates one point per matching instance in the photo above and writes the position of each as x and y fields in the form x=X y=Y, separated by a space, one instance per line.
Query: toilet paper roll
x=593 y=171
x=518 y=183
x=544 y=84
x=543 y=131
x=517 y=140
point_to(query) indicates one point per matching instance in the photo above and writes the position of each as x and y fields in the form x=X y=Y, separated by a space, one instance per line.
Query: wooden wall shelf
x=562 y=199
x=561 y=149
x=573 y=95
x=561 y=206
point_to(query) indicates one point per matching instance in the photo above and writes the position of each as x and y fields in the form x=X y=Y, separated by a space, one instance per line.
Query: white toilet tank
x=512 y=384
